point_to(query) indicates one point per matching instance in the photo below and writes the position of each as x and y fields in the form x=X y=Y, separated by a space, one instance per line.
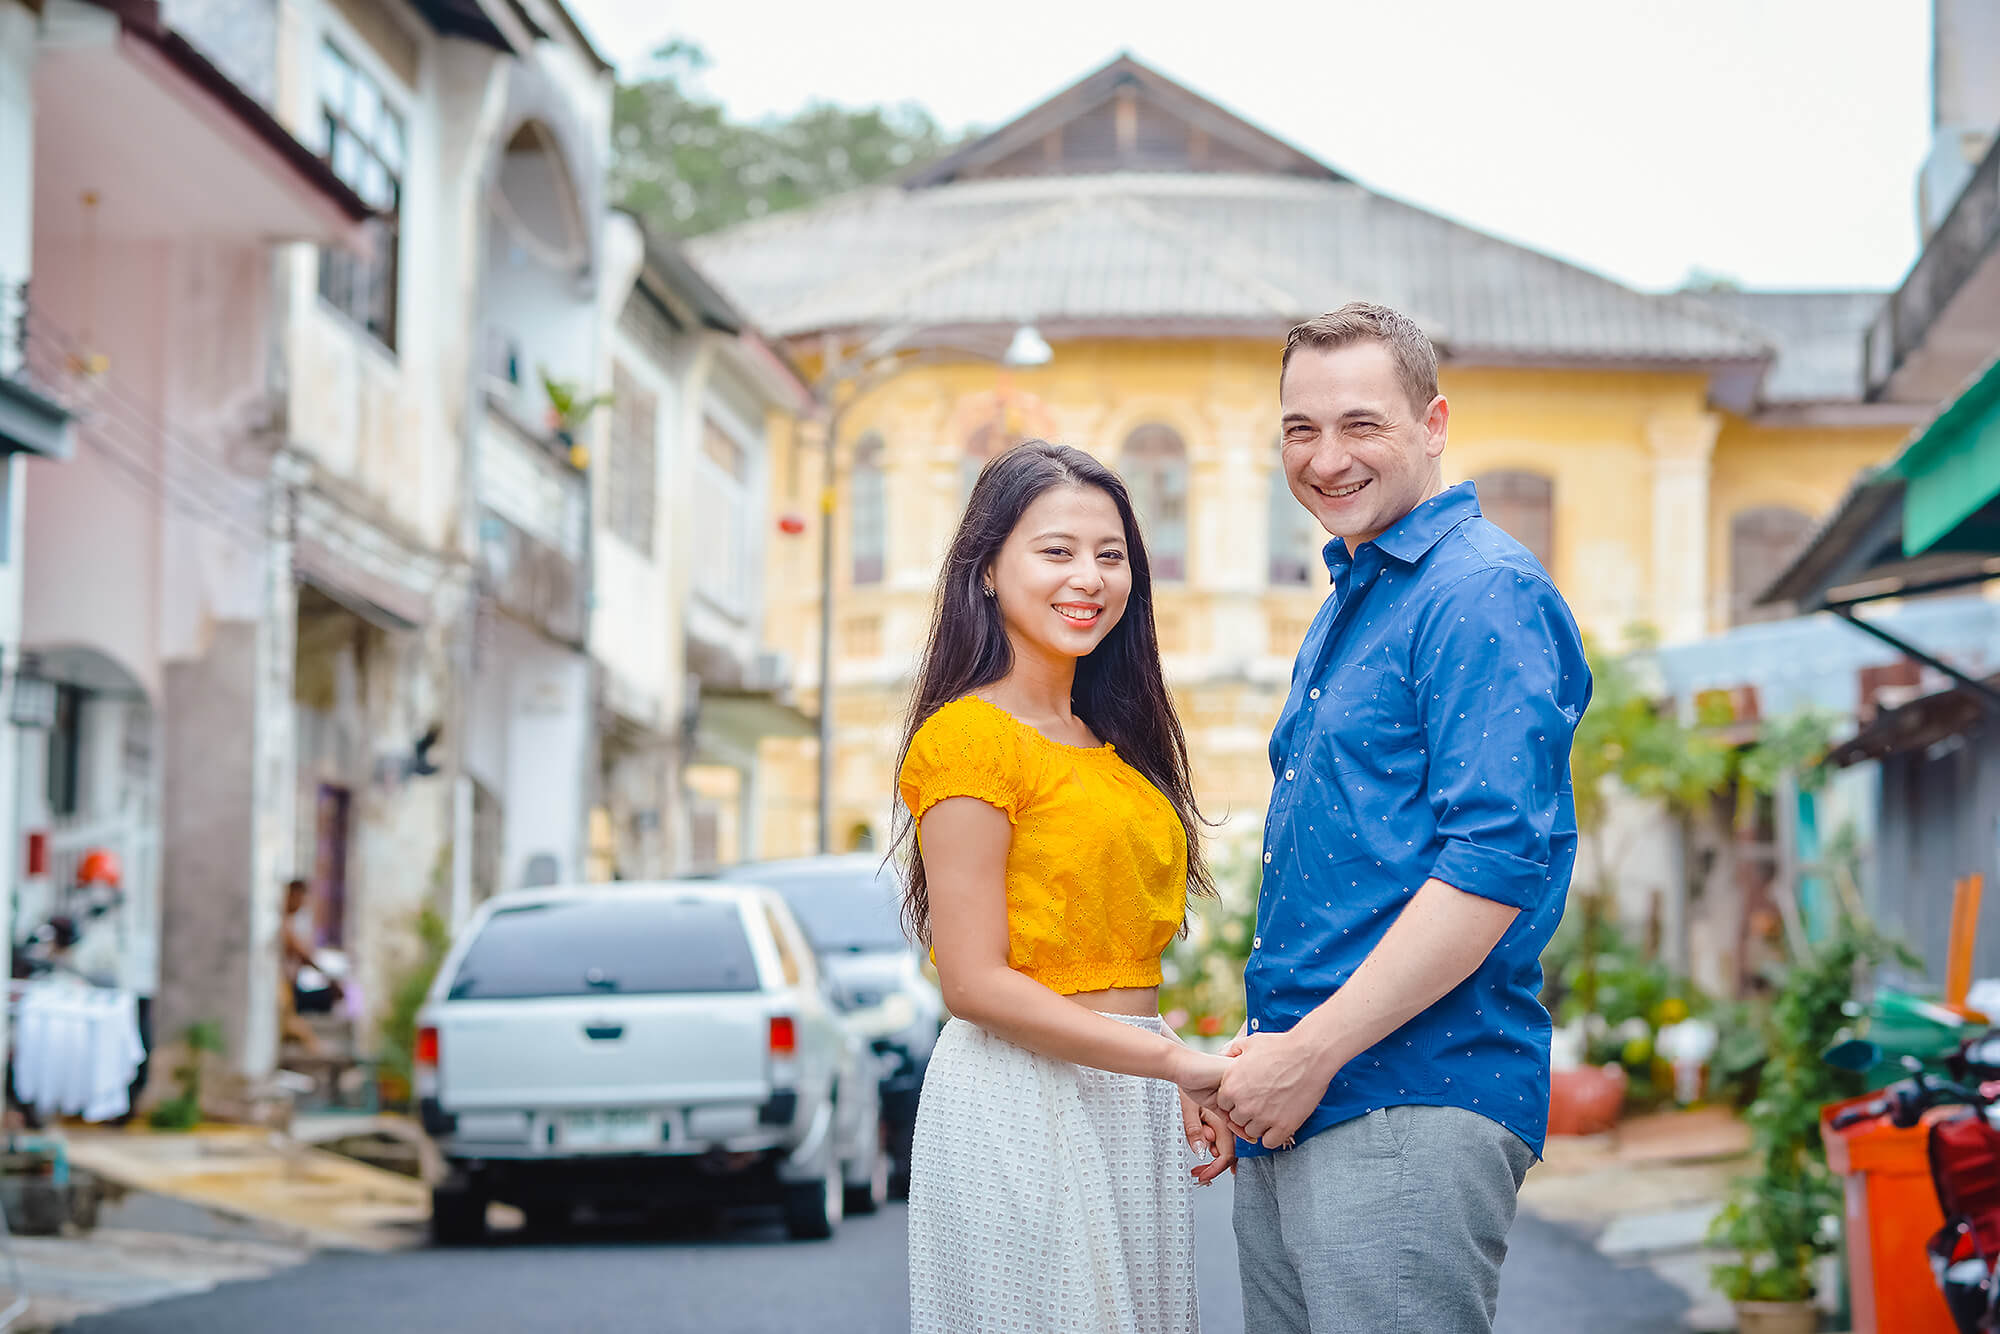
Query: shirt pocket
x=1365 y=725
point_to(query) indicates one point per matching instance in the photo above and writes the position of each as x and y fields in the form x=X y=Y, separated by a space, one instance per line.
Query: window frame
x=341 y=275
x=868 y=547
x=1169 y=564
x=632 y=465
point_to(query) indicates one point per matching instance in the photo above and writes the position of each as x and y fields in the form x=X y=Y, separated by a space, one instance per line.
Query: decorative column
x=1682 y=446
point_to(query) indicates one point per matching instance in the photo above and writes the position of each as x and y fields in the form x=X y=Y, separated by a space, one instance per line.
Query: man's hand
x=1271 y=1087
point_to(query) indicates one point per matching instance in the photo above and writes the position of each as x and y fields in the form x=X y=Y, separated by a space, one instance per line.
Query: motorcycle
x=1964 y=1152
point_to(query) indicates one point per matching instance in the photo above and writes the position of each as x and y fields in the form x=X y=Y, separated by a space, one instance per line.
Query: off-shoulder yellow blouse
x=1097 y=871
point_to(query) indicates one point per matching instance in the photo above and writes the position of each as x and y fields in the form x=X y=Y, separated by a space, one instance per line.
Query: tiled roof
x=1819 y=337
x=1249 y=252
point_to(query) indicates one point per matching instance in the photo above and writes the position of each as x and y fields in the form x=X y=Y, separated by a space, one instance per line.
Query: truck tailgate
x=604 y=1051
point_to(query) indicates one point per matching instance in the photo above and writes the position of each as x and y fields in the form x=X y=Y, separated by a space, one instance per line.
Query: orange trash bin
x=1890 y=1212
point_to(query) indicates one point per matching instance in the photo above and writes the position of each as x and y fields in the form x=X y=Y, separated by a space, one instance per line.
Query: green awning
x=1952 y=471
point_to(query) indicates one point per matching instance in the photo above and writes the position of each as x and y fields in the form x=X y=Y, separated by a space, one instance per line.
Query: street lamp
x=876 y=363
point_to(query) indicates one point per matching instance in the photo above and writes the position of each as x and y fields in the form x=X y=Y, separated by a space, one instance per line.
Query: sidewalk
x=1646 y=1193
x=146 y=1248
x=292 y=1191
x=214 y=1205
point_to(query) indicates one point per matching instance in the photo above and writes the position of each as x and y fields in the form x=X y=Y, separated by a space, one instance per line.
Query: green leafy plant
x=569 y=408
x=1203 y=971
x=406 y=996
x=183 y=1110
x=1779 y=1218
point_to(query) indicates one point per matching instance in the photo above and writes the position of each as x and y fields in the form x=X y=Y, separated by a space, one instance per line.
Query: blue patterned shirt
x=1426 y=735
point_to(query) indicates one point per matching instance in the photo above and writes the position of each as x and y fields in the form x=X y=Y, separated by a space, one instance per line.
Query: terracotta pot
x=1587 y=1100
x=1777 y=1318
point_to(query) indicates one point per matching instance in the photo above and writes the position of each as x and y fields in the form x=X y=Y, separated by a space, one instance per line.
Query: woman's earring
x=987 y=590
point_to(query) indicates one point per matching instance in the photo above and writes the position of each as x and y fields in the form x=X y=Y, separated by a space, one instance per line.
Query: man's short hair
x=1363 y=321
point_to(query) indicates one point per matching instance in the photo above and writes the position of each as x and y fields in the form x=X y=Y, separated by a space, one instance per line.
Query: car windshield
x=608 y=946
x=842 y=911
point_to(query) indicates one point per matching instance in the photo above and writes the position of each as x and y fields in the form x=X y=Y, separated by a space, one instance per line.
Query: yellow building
x=1661 y=453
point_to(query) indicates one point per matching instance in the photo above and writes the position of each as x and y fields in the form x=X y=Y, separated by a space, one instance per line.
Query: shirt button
x=1256 y=942
x=1313 y=693
x=1288 y=775
x=1267 y=857
x=1253 y=1025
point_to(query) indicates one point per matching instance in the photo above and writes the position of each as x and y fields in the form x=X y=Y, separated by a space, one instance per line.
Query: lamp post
x=842 y=385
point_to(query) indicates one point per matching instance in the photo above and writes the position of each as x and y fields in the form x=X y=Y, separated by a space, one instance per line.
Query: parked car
x=660 y=1045
x=849 y=906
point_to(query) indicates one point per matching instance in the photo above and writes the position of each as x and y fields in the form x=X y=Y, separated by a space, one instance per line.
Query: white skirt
x=1046 y=1197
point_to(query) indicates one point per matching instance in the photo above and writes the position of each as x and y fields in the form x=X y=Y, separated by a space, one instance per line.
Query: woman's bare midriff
x=1120 y=1000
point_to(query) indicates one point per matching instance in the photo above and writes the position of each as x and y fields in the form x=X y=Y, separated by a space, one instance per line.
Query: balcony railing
x=1967 y=240
x=534 y=527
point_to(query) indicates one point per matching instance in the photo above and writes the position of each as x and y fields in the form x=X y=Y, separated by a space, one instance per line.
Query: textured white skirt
x=1048 y=1198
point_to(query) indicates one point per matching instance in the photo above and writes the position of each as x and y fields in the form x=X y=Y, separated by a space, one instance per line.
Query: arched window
x=1296 y=538
x=1154 y=463
x=1762 y=543
x=868 y=512
x=1523 y=504
x=987 y=441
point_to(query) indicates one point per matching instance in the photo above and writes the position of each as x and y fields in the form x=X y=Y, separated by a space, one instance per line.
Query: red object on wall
x=38 y=853
x=790 y=524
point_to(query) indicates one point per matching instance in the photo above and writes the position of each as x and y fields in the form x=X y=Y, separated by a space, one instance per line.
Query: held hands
x=1208 y=1130
x=1270 y=1088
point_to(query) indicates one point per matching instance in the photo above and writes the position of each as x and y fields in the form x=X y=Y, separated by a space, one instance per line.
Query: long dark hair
x=1119 y=691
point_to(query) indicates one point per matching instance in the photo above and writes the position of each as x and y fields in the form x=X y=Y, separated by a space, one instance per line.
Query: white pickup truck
x=652 y=1045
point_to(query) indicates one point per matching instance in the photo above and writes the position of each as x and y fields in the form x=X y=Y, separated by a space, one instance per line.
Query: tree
x=685 y=167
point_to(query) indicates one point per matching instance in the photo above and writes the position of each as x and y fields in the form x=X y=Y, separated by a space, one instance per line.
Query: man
x=1416 y=857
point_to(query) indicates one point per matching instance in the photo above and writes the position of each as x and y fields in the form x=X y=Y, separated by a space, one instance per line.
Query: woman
x=1046 y=777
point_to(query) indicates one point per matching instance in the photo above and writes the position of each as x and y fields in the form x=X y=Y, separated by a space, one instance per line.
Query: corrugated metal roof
x=1819 y=337
x=1194 y=248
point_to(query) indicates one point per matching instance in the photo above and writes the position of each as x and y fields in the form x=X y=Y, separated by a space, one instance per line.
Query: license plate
x=608 y=1130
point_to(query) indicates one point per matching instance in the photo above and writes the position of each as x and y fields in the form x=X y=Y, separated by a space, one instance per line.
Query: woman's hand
x=1198 y=1074
x=1209 y=1135
x=1222 y=1137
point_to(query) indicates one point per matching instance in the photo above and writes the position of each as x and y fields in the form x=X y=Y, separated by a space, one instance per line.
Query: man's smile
x=1343 y=492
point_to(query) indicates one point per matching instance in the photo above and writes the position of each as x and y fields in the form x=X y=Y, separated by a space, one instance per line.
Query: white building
x=316 y=584
x=687 y=685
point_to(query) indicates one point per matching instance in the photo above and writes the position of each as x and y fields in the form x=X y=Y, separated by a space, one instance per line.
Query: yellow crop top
x=1097 y=871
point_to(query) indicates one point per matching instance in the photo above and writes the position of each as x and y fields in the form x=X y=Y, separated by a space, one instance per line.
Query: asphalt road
x=745 y=1278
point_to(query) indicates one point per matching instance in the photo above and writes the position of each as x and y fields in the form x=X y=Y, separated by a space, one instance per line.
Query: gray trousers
x=1392 y=1223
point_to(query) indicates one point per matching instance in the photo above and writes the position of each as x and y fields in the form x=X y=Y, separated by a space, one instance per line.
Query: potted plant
x=568 y=410
x=1782 y=1217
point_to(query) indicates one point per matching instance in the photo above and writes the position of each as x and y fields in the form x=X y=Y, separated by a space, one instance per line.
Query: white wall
x=17 y=146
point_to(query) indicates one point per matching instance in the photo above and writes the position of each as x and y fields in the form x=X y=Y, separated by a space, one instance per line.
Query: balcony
x=534 y=526
x=32 y=420
x=1943 y=325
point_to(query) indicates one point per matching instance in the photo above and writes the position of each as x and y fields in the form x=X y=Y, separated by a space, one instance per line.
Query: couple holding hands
x=1390 y=1088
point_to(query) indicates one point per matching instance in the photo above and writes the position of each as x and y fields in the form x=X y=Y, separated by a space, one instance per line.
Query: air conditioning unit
x=769 y=670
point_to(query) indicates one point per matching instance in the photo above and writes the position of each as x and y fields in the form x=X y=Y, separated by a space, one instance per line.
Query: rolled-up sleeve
x=1501 y=684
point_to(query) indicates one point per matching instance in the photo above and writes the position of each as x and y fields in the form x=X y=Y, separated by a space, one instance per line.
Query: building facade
x=1661 y=453
x=315 y=596
x=687 y=685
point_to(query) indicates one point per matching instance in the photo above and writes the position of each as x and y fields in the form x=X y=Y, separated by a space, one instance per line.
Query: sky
x=1775 y=142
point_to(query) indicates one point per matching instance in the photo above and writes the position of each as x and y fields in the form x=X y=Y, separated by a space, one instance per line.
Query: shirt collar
x=1411 y=537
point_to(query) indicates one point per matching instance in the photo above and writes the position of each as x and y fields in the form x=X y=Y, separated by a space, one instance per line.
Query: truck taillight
x=784 y=1036
x=427 y=1047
